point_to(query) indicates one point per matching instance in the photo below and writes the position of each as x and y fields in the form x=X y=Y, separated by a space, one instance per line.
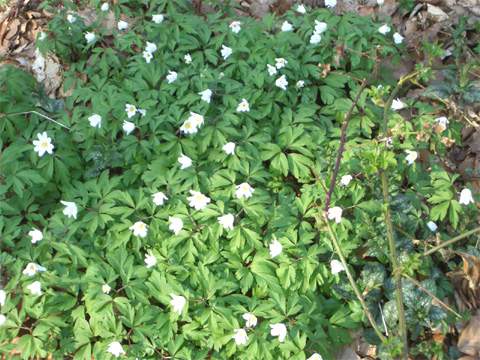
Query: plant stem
x=39 y=114
x=357 y=292
x=451 y=241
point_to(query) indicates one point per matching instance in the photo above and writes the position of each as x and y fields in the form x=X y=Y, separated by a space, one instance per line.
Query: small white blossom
x=336 y=266
x=36 y=235
x=188 y=127
x=384 y=29
x=71 y=19
x=175 y=224
x=147 y=55
x=275 y=248
x=345 y=180
x=187 y=58
x=31 y=269
x=185 y=161
x=150 y=260
x=466 y=197
x=206 y=95
x=229 y=148
x=301 y=9
x=250 y=320
x=280 y=63
x=157 y=18
x=282 y=82
x=116 y=349
x=320 y=27
x=300 y=84
x=90 y=37
x=159 y=198
x=35 y=288
x=240 y=336
x=397 y=104
x=3 y=297
x=286 y=26
x=397 y=38
x=131 y=110
x=106 y=289
x=235 y=26
x=172 y=76
x=70 y=210
x=279 y=330
x=42 y=36
x=177 y=302
x=3 y=319
x=243 y=106
x=432 y=226
x=150 y=47
x=128 y=127
x=244 y=190
x=330 y=3
x=105 y=6
x=139 y=229
x=315 y=356
x=142 y=112
x=272 y=70
x=43 y=144
x=380 y=2
x=335 y=213
x=197 y=200
x=315 y=38
x=226 y=221
x=225 y=52
x=411 y=156
x=122 y=25
x=95 y=121
x=442 y=123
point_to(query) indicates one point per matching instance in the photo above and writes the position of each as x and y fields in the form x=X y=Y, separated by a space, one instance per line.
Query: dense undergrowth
x=178 y=213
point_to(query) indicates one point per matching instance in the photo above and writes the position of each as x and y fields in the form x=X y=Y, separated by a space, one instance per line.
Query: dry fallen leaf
x=469 y=341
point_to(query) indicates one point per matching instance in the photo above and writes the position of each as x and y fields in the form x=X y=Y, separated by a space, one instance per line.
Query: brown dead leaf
x=469 y=341
x=467 y=283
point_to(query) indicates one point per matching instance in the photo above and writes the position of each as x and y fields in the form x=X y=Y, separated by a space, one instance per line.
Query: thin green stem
x=39 y=114
x=452 y=241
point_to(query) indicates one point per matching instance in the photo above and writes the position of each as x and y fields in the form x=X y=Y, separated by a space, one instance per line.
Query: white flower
x=225 y=52
x=147 y=55
x=185 y=161
x=466 y=197
x=3 y=297
x=32 y=268
x=320 y=26
x=315 y=38
x=275 y=248
x=70 y=209
x=411 y=156
x=235 y=26
x=90 y=37
x=380 y=2
x=36 y=235
x=244 y=190
x=150 y=47
x=150 y=260
x=286 y=26
x=432 y=226
x=95 y=120
x=142 y=112
x=196 y=119
x=187 y=58
x=171 y=77
x=336 y=266
x=250 y=320
x=301 y=9
x=157 y=18
x=442 y=123
x=3 y=319
x=330 y=3
x=272 y=70
x=71 y=19
x=131 y=110
x=104 y=6
x=315 y=356
x=345 y=180
x=397 y=38
x=177 y=302
x=42 y=36
x=122 y=25
x=279 y=330
x=282 y=82
x=128 y=127
x=159 y=198
x=243 y=106
x=106 y=289
x=229 y=148
x=188 y=127
x=280 y=63
x=300 y=84
x=384 y=29
x=198 y=201
x=175 y=224
x=206 y=95
x=43 y=144
x=35 y=288
x=335 y=213
x=397 y=104
x=226 y=221
x=139 y=229
x=116 y=349
x=240 y=336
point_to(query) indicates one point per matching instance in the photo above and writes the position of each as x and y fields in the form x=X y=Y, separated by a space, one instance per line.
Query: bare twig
x=452 y=241
x=39 y=114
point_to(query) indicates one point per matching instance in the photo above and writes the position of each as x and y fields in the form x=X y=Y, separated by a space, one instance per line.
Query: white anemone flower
x=3 y=297
x=159 y=198
x=320 y=27
x=158 y=18
x=384 y=29
x=178 y=303
x=185 y=161
x=301 y=9
x=280 y=63
x=90 y=37
x=175 y=224
x=36 y=235
x=229 y=148
x=330 y=3
x=147 y=55
x=235 y=26
x=128 y=127
x=336 y=266
x=3 y=319
x=150 y=261
x=345 y=180
x=139 y=229
x=35 y=288
x=282 y=82
x=315 y=38
x=279 y=330
x=466 y=197
x=275 y=248
x=250 y=320
x=206 y=95
x=286 y=26
x=106 y=289
x=70 y=210
x=172 y=76
x=32 y=268
x=243 y=106
x=105 y=6
x=122 y=25
x=131 y=110
x=397 y=38
x=397 y=104
x=315 y=356
x=240 y=336
x=43 y=144
x=197 y=200
x=71 y=19
x=95 y=121
x=411 y=156
x=300 y=84
x=150 y=47
x=335 y=213
x=188 y=59
x=116 y=349
x=244 y=190
x=432 y=226
x=226 y=52
x=226 y=221
x=272 y=70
